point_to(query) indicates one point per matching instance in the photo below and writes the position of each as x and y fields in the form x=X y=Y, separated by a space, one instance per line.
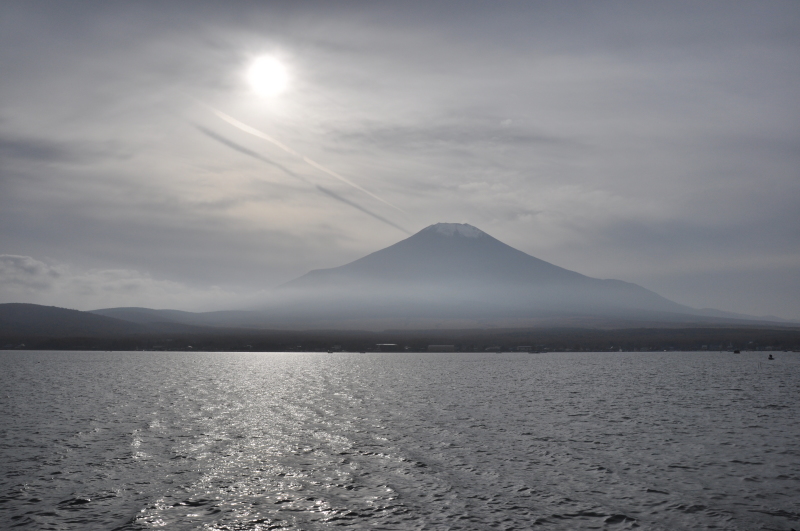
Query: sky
x=651 y=142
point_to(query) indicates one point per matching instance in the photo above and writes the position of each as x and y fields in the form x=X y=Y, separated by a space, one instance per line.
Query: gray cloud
x=25 y=273
x=466 y=135
x=655 y=142
x=23 y=278
x=21 y=151
x=33 y=150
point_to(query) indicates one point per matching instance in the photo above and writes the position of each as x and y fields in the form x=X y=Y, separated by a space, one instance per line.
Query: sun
x=267 y=76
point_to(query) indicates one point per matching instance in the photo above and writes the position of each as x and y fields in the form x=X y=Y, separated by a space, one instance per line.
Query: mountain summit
x=456 y=229
x=457 y=271
x=438 y=256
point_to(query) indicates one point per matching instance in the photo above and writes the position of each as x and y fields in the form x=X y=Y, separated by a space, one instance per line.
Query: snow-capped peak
x=452 y=229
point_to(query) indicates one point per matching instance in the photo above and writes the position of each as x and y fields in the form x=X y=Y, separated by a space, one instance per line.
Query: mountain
x=447 y=276
x=20 y=320
x=33 y=327
x=151 y=318
x=456 y=271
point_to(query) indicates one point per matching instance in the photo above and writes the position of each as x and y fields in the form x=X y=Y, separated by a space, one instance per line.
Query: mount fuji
x=449 y=276
x=457 y=273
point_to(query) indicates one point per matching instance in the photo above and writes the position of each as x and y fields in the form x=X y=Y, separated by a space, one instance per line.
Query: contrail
x=362 y=209
x=250 y=153
x=255 y=132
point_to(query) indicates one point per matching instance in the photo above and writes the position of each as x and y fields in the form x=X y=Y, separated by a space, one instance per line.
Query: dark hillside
x=19 y=319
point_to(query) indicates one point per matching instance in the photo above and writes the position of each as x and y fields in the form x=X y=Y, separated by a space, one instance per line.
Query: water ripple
x=247 y=441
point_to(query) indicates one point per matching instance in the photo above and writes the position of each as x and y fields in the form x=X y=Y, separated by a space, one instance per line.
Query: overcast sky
x=657 y=143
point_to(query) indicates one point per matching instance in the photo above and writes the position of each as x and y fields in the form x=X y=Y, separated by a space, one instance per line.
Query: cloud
x=468 y=134
x=25 y=150
x=25 y=279
x=33 y=149
x=636 y=143
x=24 y=274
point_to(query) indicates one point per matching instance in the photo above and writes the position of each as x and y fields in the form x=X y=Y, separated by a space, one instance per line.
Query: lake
x=256 y=441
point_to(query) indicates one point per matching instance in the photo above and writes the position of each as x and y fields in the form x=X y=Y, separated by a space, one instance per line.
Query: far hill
x=20 y=320
x=147 y=316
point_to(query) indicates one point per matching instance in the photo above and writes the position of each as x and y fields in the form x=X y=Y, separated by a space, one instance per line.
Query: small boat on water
x=770 y=357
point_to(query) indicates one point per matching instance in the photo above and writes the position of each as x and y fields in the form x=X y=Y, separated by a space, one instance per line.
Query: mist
x=654 y=144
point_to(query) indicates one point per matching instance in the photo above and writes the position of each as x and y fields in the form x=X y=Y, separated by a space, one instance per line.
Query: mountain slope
x=19 y=319
x=446 y=276
x=150 y=317
x=444 y=253
x=457 y=270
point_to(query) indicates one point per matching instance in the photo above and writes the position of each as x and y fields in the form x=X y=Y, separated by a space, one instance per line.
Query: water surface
x=253 y=441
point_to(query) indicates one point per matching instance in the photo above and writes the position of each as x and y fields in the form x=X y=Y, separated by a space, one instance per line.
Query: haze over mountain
x=143 y=165
x=446 y=276
x=20 y=319
x=455 y=274
x=34 y=320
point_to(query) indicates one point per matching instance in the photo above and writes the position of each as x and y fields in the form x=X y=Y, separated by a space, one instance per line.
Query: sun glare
x=267 y=76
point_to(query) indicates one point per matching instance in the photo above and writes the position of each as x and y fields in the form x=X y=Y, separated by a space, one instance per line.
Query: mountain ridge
x=447 y=275
x=460 y=263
